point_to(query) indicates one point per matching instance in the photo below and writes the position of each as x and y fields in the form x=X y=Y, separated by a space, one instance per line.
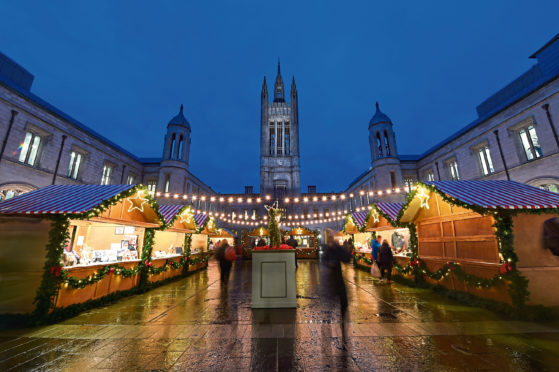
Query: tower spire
x=279 y=95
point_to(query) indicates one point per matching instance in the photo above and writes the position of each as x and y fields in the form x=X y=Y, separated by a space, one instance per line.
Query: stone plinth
x=273 y=279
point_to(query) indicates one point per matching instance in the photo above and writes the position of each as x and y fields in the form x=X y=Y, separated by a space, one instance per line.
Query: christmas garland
x=97 y=276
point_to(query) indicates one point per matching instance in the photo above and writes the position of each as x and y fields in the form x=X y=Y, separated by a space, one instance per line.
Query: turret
x=384 y=154
x=176 y=153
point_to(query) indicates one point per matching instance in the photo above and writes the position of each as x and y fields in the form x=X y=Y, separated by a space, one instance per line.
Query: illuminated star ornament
x=423 y=196
x=186 y=217
x=375 y=215
x=139 y=204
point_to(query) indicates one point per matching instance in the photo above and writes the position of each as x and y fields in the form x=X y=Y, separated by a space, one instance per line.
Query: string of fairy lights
x=288 y=219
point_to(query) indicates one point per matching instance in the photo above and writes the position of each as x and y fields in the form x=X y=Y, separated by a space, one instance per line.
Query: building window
x=453 y=170
x=279 y=129
x=553 y=187
x=393 y=180
x=272 y=141
x=485 y=161
x=107 y=173
x=286 y=141
x=530 y=142
x=408 y=183
x=152 y=185
x=167 y=183
x=172 y=149
x=386 y=145
x=379 y=145
x=429 y=175
x=181 y=148
x=74 y=166
x=30 y=149
x=131 y=179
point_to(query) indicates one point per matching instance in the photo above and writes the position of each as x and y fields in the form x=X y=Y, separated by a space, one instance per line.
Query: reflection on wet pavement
x=199 y=324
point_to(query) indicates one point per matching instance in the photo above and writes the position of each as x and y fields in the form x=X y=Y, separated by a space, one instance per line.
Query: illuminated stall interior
x=305 y=237
x=353 y=226
x=307 y=246
x=170 y=242
x=223 y=234
x=387 y=228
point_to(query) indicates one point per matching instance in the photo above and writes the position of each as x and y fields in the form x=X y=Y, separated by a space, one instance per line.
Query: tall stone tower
x=279 y=141
x=384 y=154
x=176 y=152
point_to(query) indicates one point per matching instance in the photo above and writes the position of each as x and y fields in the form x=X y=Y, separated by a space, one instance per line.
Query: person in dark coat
x=293 y=243
x=224 y=264
x=386 y=261
x=334 y=255
x=261 y=242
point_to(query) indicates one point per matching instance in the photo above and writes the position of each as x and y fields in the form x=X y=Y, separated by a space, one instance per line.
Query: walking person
x=293 y=243
x=224 y=264
x=333 y=256
x=386 y=261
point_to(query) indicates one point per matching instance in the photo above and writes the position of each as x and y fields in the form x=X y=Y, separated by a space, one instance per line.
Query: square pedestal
x=273 y=279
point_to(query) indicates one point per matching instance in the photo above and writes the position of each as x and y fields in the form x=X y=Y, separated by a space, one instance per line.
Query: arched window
x=386 y=144
x=181 y=148
x=379 y=145
x=172 y=148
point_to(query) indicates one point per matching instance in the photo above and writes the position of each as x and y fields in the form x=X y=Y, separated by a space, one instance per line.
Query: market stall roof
x=259 y=231
x=62 y=199
x=490 y=195
x=87 y=202
x=355 y=222
x=300 y=231
x=169 y=211
x=390 y=209
x=360 y=217
x=206 y=224
x=382 y=216
x=179 y=216
x=200 y=218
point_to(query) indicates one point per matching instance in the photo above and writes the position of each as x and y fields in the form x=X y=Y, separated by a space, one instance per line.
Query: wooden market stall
x=223 y=234
x=381 y=221
x=354 y=226
x=491 y=230
x=307 y=246
x=200 y=241
x=252 y=238
x=170 y=246
x=94 y=237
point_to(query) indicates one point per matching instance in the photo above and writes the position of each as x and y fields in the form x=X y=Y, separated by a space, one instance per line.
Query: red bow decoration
x=56 y=270
x=185 y=258
x=506 y=267
x=111 y=269
x=414 y=262
x=148 y=264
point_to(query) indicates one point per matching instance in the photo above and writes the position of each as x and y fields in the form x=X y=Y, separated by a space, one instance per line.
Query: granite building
x=279 y=141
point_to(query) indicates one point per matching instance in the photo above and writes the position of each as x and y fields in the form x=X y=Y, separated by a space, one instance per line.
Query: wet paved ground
x=198 y=324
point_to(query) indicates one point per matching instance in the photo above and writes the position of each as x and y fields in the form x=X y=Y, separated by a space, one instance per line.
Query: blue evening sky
x=124 y=68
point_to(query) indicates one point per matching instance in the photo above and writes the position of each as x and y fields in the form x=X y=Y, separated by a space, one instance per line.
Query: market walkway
x=195 y=324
